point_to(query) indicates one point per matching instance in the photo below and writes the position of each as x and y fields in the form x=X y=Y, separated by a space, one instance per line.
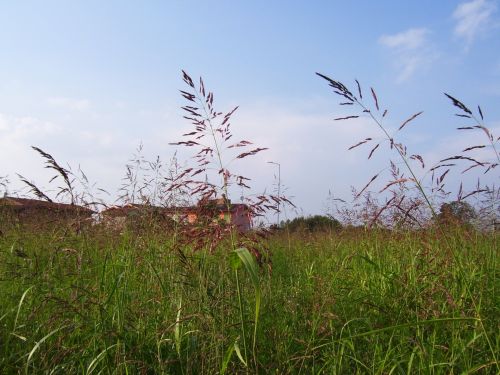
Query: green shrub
x=316 y=223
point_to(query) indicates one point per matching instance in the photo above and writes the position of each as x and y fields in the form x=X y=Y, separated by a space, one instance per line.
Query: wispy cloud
x=12 y=127
x=69 y=103
x=99 y=151
x=412 y=51
x=473 y=18
x=17 y=134
x=310 y=146
x=411 y=39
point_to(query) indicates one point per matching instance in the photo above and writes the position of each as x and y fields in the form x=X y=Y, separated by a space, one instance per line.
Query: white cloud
x=311 y=147
x=17 y=135
x=69 y=103
x=407 y=40
x=14 y=128
x=412 y=51
x=94 y=150
x=473 y=18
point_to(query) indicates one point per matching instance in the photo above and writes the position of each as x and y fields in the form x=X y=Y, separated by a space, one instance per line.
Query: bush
x=456 y=213
x=316 y=223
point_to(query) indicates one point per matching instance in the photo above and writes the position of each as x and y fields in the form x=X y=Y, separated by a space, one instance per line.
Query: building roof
x=22 y=204
x=124 y=210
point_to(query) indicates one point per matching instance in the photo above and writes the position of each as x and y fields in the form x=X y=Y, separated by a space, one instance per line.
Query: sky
x=89 y=81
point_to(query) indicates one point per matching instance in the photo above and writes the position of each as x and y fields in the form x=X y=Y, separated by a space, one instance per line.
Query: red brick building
x=238 y=215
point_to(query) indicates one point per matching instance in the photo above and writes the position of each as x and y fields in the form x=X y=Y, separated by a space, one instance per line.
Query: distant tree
x=314 y=223
x=456 y=212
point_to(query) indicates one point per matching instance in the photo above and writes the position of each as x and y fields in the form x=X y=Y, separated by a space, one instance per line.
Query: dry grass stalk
x=437 y=192
x=214 y=151
x=403 y=196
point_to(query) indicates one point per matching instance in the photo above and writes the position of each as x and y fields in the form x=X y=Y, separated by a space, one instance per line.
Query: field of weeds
x=349 y=301
x=187 y=283
x=249 y=187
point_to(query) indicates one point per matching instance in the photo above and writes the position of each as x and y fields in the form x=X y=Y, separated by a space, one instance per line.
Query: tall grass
x=346 y=302
x=192 y=299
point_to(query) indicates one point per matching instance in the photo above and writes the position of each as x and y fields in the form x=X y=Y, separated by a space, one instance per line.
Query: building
x=40 y=213
x=238 y=215
x=137 y=216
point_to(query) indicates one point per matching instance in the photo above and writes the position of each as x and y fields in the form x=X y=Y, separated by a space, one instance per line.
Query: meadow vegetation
x=389 y=285
x=355 y=300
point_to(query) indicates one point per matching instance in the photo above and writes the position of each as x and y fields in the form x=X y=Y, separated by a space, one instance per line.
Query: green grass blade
x=252 y=268
x=227 y=359
x=177 y=330
x=250 y=265
x=238 y=353
x=91 y=367
x=19 y=307
x=39 y=343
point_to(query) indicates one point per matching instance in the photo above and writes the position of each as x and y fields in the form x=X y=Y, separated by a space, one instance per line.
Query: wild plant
x=178 y=196
x=145 y=180
x=209 y=177
x=478 y=125
x=130 y=191
x=488 y=208
x=401 y=210
x=404 y=205
x=4 y=185
x=332 y=204
x=406 y=159
x=67 y=187
x=75 y=189
x=210 y=180
x=488 y=194
x=398 y=178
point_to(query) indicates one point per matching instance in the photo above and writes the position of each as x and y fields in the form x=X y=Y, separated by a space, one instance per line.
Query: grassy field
x=345 y=302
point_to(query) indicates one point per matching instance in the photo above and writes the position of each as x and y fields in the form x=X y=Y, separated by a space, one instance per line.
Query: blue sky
x=87 y=81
